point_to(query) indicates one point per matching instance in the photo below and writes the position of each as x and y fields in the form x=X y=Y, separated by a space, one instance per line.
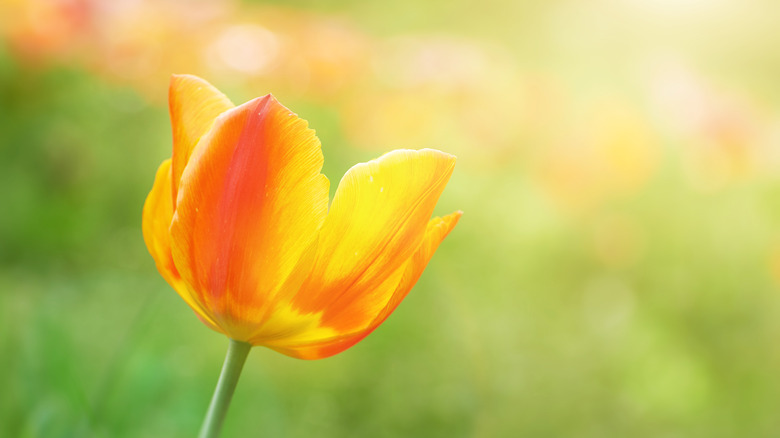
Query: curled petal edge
x=438 y=228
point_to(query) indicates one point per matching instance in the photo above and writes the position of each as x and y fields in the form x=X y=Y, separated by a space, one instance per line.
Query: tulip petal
x=249 y=206
x=396 y=287
x=157 y=215
x=194 y=104
x=376 y=223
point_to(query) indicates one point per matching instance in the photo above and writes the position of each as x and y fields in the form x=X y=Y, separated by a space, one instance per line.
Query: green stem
x=228 y=378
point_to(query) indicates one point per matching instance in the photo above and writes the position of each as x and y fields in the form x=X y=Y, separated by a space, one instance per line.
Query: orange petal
x=157 y=215
x=249 y=206
x=395 y=290
x=376 y=223
x=194 y=104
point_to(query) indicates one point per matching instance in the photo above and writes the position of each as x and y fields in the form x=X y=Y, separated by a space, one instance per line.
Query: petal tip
x=177 y=78
x=181 y=76
x=441 y=153
x=451 y=220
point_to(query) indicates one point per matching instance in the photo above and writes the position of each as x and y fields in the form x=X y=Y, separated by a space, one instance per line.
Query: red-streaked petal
x=395 y=289
x=249 y=206
x=194 y=105
x=376 y=222
x=157 y=215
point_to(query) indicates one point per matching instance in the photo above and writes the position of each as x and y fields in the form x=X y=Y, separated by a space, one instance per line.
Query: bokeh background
x=616 y=272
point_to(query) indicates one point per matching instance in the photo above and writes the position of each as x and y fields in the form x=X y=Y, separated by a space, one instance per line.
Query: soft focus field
x=616 y=272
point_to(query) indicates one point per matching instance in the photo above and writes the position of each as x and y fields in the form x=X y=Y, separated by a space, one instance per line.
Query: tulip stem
x=228 y=378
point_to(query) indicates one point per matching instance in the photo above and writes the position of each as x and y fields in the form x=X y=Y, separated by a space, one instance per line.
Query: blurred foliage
x=616 y=271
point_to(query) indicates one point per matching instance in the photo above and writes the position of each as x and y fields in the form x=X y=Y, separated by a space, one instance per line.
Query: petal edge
x=156 y=220
x=194 y=105
x=437 y=229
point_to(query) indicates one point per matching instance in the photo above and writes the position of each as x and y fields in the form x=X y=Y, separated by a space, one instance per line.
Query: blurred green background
x=616 y=272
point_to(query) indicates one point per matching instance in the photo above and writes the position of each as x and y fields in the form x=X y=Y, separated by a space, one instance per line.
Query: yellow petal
x=157 y=215
x=376 y=223
x=194 y=104
x=394 y=290
x=249 y=206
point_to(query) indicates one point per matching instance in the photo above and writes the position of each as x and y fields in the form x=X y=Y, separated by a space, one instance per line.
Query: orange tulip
x=238 y=224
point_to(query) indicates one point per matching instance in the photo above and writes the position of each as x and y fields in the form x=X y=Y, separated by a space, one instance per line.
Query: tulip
x=238 y=224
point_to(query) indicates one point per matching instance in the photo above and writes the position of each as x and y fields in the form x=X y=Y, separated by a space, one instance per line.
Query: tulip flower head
x=238 y=223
